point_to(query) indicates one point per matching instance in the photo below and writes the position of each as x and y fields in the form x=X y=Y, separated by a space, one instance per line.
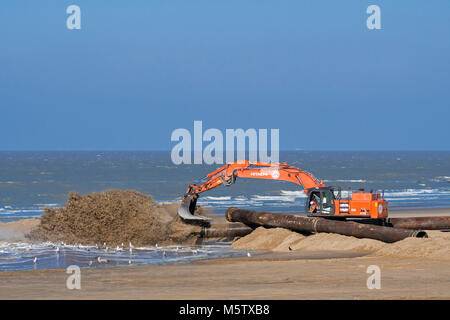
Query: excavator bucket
x=186 y=211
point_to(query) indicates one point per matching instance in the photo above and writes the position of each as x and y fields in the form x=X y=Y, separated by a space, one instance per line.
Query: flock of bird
x=101 y=260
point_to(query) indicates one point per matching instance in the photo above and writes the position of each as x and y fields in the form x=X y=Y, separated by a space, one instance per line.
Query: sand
x=255 y=277
x=321 y=266
x=114 y=217
x=436 y=247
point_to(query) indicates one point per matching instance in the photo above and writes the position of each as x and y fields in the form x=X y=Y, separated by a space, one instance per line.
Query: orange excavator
x=322 y=201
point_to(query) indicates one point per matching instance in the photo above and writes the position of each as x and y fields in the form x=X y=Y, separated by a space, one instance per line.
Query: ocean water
x=21 y=256
x=32 y=181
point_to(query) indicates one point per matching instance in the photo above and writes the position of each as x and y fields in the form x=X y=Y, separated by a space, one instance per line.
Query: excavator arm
x=228 y=173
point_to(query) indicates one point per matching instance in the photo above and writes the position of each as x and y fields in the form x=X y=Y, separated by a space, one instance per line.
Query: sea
x=33 y=181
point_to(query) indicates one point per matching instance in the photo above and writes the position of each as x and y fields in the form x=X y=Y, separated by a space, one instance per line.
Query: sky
x=137 y=70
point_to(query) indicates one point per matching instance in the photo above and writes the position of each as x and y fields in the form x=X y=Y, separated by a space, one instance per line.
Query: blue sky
x=139 y=69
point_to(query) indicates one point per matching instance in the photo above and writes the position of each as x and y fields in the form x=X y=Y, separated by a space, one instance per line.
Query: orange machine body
x=322 y=201
x=363 y=204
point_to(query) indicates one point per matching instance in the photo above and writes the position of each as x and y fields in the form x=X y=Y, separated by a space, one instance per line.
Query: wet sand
x=263 y=277
x=318 y=274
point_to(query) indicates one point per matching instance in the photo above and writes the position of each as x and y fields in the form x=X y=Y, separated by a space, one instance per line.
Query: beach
x=282 y=274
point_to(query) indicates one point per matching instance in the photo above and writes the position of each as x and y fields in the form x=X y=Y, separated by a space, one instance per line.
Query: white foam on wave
x=415 y=192
x=274 y=198
x=6 y=211
x=48 y=205
x=217 y=198
x=441 y=179
x=297 y=193
x=348 y=180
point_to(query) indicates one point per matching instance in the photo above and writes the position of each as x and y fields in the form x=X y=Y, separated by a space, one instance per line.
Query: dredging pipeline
x=254 y=218
x=423 y=223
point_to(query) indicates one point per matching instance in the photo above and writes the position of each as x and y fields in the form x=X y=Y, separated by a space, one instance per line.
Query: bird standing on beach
x=90 y=263
x=248 y=254
x=35 y=260
x=101 y=260
x=57 y=250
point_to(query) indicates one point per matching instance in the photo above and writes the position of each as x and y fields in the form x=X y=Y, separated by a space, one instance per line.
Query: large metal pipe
x=303 y=224
x=226 y=232
x=424 y=223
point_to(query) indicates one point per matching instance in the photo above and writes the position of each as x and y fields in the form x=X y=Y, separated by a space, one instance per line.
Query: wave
x=297 y=193
x=415 y=192
x=274 y=198
x=217 y=198
x=441 y=179
x=349 y=180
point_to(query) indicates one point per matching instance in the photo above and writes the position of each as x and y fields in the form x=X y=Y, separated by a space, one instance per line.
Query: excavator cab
x=321 y=201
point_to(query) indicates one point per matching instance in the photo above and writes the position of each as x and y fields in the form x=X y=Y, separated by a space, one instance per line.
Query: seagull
x=248 y=254
x=57 y=250
x=90 y=263
x=164 y=253
x=195 y=251
x=131 y=250
x=129 y=261
x=104 y=245
x=100 y=260
x=35 y=260
x=176 y=249
x=122 y=245
x=131 y=245
x=156 y=245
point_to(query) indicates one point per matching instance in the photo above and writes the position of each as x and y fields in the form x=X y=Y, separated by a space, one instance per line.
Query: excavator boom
x=228 y=173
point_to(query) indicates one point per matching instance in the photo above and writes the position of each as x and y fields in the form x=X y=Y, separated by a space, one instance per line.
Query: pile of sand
x=114 y=217
x=437 y=246
x=276 y=239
